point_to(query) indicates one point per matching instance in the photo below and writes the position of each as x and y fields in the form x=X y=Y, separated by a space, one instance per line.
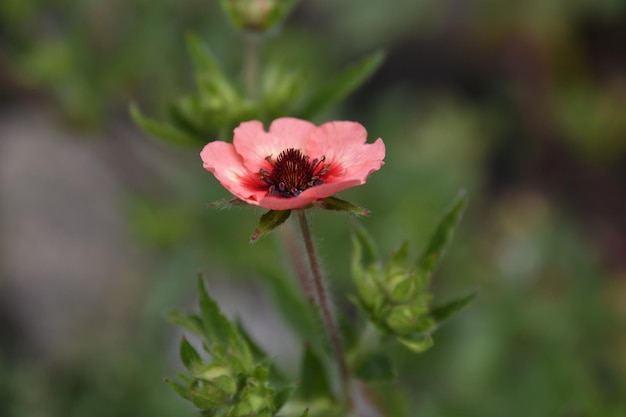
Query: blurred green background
x=102 y=228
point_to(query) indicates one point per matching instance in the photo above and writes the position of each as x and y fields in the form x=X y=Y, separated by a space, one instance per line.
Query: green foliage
x=315 y=383
x=395 y=296
x=375 y=367
x=236 y=380
x=442 y=236
x=220 y=103
x=336 y=90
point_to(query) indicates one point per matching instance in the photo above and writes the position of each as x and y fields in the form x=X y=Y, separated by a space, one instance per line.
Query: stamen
x=292 y=173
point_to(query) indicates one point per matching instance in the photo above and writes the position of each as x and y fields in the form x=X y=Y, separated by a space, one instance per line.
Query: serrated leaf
x=189 y=356
x=181 y=390
x=376 y=367
x=417 y=345
x=268 y=222
x=163 y=131
x=444 y=312
x=337 y=204
x=219 y=330
x=314 y=381
x=442 y=235
x=339 y=88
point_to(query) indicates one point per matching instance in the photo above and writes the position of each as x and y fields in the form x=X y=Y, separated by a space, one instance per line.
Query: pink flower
x=294 y=164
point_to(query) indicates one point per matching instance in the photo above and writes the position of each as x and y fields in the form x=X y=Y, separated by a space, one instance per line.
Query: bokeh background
x=103 y=228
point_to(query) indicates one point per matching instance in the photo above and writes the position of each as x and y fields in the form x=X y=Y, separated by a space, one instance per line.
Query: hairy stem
x=330 y=321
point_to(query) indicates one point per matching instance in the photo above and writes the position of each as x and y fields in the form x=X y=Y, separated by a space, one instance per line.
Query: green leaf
x=314 y=382
x=443 y=234
x=339 y=88
x=442 y=313
x=218 y=329
x=399 y=257
x=419 y=345
x=364 y=245
x=376 y=367
x=163 y=131
x=337 y=204
x=191 y=322
x=268 y=222
x=210 y=77
x=282 y=396
x=188 y=354
x=185 y=117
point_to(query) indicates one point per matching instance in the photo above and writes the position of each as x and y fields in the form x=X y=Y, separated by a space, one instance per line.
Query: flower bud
x=256 y=15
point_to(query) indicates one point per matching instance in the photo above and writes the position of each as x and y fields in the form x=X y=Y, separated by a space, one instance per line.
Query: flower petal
x=221 y=159
x=254 y=144
x=343 y=145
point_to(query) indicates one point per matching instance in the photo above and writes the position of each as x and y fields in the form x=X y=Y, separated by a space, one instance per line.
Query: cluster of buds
x=395 y=294
x=233 y=382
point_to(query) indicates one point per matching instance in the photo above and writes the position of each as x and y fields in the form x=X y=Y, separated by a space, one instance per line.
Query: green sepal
x=314 y=381
x=162 y=131
x=179 y=389
x=268 y=222
x=227 y=203
x=417 y=345
x=337 y=204
x=411 y=319
x=404 y=291
x=442 y=235
x=202 y=400
x=444 y=312
x=306 y=413
x=189 y=356
x=375 y=367
x=339 y=88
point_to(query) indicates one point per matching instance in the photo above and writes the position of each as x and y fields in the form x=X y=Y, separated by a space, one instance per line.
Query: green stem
x=328 y=317
x=251 y=64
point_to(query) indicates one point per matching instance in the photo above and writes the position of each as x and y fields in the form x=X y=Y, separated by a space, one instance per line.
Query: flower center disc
x=292 y=173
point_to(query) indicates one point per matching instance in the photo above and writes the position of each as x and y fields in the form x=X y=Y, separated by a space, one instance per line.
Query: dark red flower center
x=292 y=173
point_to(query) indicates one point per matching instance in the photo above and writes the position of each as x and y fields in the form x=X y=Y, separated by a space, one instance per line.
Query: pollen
x=292 y=173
